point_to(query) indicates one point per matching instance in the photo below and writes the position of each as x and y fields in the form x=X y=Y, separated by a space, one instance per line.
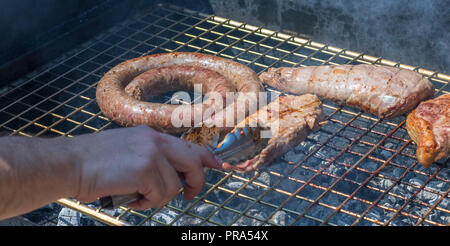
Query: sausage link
x=122 y=91
x=380 y=90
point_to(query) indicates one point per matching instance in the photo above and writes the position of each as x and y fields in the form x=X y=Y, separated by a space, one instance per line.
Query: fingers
x=186 y=158
x=189 y=159
x=181 y=149
x=162 y=186
x=190 y=165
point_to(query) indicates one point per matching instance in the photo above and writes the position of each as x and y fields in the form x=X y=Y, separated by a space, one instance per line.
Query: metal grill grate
x=357 y=170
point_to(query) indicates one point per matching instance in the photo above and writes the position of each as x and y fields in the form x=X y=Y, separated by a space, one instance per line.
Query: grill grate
x=357 y=170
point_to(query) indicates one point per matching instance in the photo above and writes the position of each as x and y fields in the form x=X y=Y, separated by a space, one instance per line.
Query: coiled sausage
x=121 y=91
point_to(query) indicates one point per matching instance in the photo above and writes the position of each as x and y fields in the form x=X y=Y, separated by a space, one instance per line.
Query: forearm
x=35 y=172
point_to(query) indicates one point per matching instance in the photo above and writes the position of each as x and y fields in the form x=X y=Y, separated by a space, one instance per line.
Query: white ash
x=282 y=218
x=445 y=203
x=204 y=210
x=385 y=153
x=334 y=164
x=187 y=220
x=248 y=220
x=386 y=184
x=69 y=217
x=234 y=185
x=264 y=178
x=166 y=216
x=427 y=196
x=438 y=186
x=416 y=182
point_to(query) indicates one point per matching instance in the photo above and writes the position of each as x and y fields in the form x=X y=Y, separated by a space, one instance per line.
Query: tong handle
x=113 y=202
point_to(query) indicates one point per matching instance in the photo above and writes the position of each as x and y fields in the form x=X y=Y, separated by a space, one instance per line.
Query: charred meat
x=429 y=127
x=287 y=122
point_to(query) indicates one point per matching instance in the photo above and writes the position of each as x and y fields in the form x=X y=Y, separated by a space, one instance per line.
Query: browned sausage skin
x=380 y=90
x=126 y=108
x=157 y=81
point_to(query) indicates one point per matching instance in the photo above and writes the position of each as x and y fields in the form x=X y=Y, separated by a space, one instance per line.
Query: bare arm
x=34 y=172
x=37 y=171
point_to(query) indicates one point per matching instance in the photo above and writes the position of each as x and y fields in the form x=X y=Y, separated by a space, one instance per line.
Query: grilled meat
x=122 y=91
x=380 y=90
x=290 y=120
x=429 y=127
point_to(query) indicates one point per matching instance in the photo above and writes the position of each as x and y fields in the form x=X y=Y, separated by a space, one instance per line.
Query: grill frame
x=243 y=41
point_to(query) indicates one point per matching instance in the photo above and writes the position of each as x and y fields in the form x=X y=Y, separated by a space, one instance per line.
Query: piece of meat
x=290 y=120
x=121 y=91
x=157 y=81
x=429 y=127
x=380 y=90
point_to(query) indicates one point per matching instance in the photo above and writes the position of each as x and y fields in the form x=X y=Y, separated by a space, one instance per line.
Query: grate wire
x=359 y=170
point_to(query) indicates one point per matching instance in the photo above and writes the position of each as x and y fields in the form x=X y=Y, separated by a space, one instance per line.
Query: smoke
x=410 y=32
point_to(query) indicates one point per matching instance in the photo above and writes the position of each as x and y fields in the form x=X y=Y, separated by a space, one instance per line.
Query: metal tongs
x=238 y=145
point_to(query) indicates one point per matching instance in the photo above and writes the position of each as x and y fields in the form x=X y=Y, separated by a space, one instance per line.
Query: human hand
x=139 y=159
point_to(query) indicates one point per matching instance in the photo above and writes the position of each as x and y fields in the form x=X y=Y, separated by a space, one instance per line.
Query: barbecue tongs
x=238 y=145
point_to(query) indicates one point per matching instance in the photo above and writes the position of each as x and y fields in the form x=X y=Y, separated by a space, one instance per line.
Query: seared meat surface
x=296 y=118
x=290 y=120
x=429 y=127
x=380 y=90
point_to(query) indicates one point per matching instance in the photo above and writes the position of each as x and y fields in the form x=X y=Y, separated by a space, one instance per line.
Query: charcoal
x=427 y=197
x=234 y=185
x=293 y=157
x=438 y=186
x=386 y=184
x=224 y=217
x=249 y=221
x=386 y=154
x=204 y=210
x=369 y=165
x=264 y=178
x=187 y=220
x=389 y=187
x=344 y=220
x=445 y=204
x=69 y=217
x=165 y=216
x=282 y=218
x=416 y=182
